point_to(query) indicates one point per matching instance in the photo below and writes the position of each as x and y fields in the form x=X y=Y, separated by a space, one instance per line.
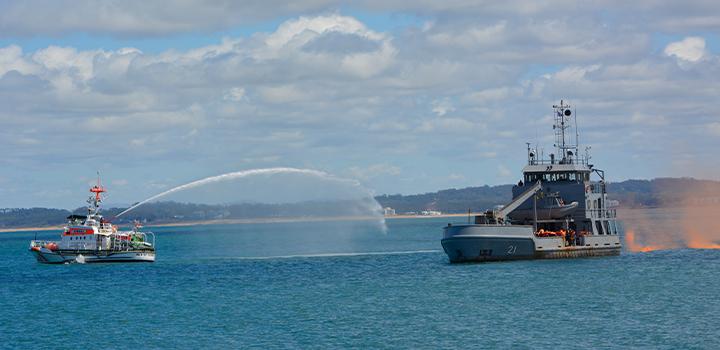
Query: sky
x=403 y=96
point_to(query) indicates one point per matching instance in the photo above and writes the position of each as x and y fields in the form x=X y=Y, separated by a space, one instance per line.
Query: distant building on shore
x=430 y=213
x=387 y=211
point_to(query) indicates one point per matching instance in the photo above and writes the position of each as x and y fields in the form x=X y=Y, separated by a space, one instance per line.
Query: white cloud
x=234 y=94
x=442 y=107
x=649 y=120
x=450 y=125
x=471 y=38
x=283 y=94
x=492 y=95
x=298 y=32
x=330 y=91
x=574 y=74
x=373 y=171
x=11 y=58
x=691 y=49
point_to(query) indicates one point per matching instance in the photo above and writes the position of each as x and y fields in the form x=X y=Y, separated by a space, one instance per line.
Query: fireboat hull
x=481 y=243
x=46 y=256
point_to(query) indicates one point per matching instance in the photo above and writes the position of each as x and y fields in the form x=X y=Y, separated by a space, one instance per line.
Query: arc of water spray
x=240 y=174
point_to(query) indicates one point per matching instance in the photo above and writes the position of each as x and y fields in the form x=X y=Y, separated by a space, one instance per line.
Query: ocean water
x=348 y=285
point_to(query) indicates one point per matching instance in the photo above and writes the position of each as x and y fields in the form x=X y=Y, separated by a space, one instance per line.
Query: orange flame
x=637 y=247
x=700 y=222
x=691 y=222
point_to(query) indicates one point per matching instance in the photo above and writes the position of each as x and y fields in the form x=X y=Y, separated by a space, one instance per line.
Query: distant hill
x=662 y=192
x=174 y=212
x=449 y=201
x=665 y=192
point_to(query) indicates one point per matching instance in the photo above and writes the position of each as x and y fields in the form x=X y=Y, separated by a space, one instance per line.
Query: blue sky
x=403 y=97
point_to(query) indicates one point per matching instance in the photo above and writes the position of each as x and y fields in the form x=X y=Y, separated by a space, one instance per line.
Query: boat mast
x=565 y=148
x=95 y=201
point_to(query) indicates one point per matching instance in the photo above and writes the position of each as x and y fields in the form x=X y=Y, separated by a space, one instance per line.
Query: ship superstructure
x=91 y=238
x=559 y=209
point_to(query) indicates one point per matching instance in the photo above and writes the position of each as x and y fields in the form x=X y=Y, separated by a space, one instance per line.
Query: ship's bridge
x=556 y=172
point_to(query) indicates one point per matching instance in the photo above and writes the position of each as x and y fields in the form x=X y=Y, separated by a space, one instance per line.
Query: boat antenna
x=528 y=152
x=577 y=134
x=562 y=114
x=97 y=190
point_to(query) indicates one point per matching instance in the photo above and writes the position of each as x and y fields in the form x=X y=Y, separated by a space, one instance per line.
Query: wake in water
x=373 y=207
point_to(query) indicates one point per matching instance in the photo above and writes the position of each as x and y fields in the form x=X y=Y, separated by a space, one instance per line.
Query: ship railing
x=131 y=240
x=573 y=160
x=601 y=213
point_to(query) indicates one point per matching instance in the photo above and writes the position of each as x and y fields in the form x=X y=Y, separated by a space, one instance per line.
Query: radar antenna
x=565 y=148
x=97 y=190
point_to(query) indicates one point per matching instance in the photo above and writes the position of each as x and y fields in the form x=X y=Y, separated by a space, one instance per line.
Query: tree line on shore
x=661 y=192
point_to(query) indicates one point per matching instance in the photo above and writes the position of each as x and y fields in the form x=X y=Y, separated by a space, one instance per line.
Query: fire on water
x=637 y=247
x=694 y=241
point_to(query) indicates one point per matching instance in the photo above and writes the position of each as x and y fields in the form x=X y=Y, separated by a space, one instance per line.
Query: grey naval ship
x=558 y=210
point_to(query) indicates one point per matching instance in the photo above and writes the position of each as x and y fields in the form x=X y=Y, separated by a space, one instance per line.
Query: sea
x=351 y=284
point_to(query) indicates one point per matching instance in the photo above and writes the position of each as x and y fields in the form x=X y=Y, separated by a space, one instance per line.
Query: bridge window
x=555 y=176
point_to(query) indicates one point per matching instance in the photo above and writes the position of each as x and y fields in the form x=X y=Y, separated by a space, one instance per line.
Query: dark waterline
x=345 y=284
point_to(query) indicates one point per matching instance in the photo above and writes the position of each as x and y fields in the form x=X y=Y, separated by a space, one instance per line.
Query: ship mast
x=566 y=150
x=94 y=201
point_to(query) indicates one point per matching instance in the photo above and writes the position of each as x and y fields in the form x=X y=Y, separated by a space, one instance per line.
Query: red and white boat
x=90 y=238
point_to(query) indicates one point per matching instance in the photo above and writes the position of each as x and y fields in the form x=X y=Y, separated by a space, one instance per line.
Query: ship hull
x=479 y=249
x=46 y=256
x=481 y=243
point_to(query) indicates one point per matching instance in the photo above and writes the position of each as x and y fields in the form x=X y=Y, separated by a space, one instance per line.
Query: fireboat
x=557 y=210
x=91 y=239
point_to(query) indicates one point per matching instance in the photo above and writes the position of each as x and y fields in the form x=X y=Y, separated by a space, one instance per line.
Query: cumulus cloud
x=329 y=91
x=442 y=107
x=374 y=170
x=234 y=94
x=691 y=49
